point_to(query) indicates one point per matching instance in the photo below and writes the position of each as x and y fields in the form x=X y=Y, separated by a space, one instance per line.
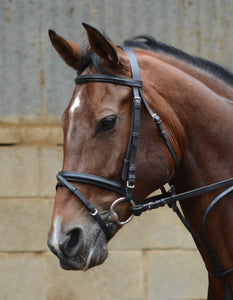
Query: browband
x=109 y=79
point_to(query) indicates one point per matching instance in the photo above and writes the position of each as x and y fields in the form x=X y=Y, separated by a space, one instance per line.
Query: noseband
x=126 y=183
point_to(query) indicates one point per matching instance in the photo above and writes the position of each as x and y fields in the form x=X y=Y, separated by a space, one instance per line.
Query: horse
x=143 y=115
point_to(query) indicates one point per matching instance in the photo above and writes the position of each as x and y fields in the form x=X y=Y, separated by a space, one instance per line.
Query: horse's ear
x=101 y=45
x=69 y=51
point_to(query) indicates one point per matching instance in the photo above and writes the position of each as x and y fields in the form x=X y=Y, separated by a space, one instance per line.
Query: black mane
x=149 y=43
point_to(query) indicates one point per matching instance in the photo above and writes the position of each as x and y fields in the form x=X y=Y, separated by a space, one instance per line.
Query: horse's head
x=96 y=127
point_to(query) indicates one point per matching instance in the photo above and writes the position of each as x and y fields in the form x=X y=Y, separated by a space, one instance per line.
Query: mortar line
x=145 y=274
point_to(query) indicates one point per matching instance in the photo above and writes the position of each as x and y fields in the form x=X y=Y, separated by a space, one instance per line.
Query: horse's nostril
x=74 y=236
x=71 y=243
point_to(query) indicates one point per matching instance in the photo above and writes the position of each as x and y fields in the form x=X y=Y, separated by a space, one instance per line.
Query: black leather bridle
x=126 y=183
x=124 y=187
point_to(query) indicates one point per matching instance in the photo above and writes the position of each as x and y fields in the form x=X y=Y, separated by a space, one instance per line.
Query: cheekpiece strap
x=129 y=165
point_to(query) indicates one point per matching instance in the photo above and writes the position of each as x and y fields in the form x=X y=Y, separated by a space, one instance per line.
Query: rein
x=125 y=185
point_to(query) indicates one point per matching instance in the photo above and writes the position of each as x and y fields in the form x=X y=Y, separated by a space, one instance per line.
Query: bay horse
x=143 y=115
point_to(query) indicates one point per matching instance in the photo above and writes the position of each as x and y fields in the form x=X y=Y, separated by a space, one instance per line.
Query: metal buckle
x=114 y=216
x=94 y=213
x=130 y=186
x=156 y=119
x=137 y=98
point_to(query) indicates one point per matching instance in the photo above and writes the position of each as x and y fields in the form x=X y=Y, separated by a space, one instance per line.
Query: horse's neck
x=207 y=119
x=208 y=159
x=203 y=108
x=194 y=112
x=206 y=78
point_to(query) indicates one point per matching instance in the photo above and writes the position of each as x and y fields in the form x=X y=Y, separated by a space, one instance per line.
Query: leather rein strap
x=126 y=183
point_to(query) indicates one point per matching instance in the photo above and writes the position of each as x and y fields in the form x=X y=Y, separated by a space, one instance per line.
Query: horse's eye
x=108 y=123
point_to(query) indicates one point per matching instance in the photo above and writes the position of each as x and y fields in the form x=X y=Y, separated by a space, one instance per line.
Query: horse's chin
x=91 y=255
x=94 y=259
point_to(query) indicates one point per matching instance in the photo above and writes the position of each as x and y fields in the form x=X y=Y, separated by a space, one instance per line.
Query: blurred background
x=153 y=257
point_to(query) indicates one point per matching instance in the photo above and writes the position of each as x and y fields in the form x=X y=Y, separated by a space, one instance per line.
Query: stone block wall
x=153 y=257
